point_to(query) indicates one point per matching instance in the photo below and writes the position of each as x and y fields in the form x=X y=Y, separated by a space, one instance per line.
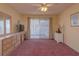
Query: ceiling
x=33 y=8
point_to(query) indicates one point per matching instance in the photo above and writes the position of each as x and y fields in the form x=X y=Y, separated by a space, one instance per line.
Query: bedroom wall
x=5 y=8
x=71 y=34
x=54 y=23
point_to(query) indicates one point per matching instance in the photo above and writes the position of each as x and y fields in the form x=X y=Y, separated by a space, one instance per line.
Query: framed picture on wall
x=75 y=20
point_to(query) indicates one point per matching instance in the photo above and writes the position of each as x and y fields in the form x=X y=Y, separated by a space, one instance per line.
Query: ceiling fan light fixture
x=44 y=8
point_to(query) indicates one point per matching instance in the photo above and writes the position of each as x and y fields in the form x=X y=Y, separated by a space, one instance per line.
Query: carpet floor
x=43 y=48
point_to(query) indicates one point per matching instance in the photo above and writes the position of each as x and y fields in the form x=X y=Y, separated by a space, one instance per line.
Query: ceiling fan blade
x=42 y=4
x=36 y=4
x=50 y=5
x=47 y=4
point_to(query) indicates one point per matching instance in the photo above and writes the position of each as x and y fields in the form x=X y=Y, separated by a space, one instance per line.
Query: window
x=1 y=25
x=7 y=24
x=4 y=25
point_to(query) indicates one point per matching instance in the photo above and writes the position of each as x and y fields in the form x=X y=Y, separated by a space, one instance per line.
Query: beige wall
x=13 y=13
x=54 y=23
x=71 y=34
x=25 y=22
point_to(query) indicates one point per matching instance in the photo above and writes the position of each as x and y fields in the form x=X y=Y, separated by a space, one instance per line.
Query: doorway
x=39 y=28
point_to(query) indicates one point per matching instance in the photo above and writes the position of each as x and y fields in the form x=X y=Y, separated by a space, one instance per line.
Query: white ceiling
x=33 y=8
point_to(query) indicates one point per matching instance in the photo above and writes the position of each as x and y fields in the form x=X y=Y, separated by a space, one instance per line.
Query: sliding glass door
x=39 y=28
x=44 y=28
x=34 y=28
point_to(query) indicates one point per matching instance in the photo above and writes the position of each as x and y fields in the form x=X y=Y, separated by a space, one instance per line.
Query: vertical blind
x=39 y=28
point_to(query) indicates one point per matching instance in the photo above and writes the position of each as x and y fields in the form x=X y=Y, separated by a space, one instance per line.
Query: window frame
x=4 y=18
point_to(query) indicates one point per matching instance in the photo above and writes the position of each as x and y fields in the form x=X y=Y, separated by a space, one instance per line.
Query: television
x=20 y=27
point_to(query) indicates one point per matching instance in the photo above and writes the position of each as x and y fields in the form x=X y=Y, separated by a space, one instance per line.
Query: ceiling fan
x=43 y=6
